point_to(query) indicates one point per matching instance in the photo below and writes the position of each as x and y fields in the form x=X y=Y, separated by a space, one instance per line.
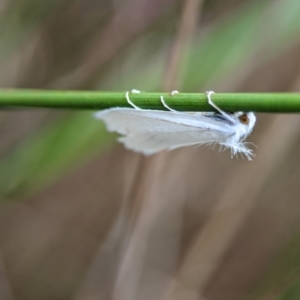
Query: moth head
x=247 y=121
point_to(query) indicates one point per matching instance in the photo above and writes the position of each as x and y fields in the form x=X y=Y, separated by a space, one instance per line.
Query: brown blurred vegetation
x=83 y=218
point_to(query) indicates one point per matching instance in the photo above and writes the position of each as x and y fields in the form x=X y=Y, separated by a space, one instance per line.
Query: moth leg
x=165 y=105
x=223 y=113
x=130 y=102
x=135 y=91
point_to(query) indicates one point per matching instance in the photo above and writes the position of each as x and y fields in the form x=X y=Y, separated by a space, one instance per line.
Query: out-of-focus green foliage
x=50 y=153
x=21 y=18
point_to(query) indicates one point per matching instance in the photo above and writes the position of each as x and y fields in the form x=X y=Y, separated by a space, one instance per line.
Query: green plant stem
x=259 y=102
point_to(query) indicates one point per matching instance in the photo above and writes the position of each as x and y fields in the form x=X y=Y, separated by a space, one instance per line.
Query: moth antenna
x=130 y=102
x=223 y=113
x=165 y=105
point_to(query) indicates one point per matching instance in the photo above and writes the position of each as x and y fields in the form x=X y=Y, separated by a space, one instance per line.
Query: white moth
x=149 y=131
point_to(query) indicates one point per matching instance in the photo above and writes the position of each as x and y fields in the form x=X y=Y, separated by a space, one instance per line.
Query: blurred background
x=83 y=218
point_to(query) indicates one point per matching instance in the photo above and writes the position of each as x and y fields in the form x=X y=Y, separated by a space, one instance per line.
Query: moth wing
x=150 y=143
x=150 y=131
x=131 y=121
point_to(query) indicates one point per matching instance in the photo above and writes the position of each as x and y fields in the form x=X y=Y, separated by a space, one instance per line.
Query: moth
x=150 y=131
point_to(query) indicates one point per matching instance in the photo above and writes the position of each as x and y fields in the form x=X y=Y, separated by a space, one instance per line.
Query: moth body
x=151 y=131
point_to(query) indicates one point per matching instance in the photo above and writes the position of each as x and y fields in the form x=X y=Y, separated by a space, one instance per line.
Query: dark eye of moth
x=244 y=119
